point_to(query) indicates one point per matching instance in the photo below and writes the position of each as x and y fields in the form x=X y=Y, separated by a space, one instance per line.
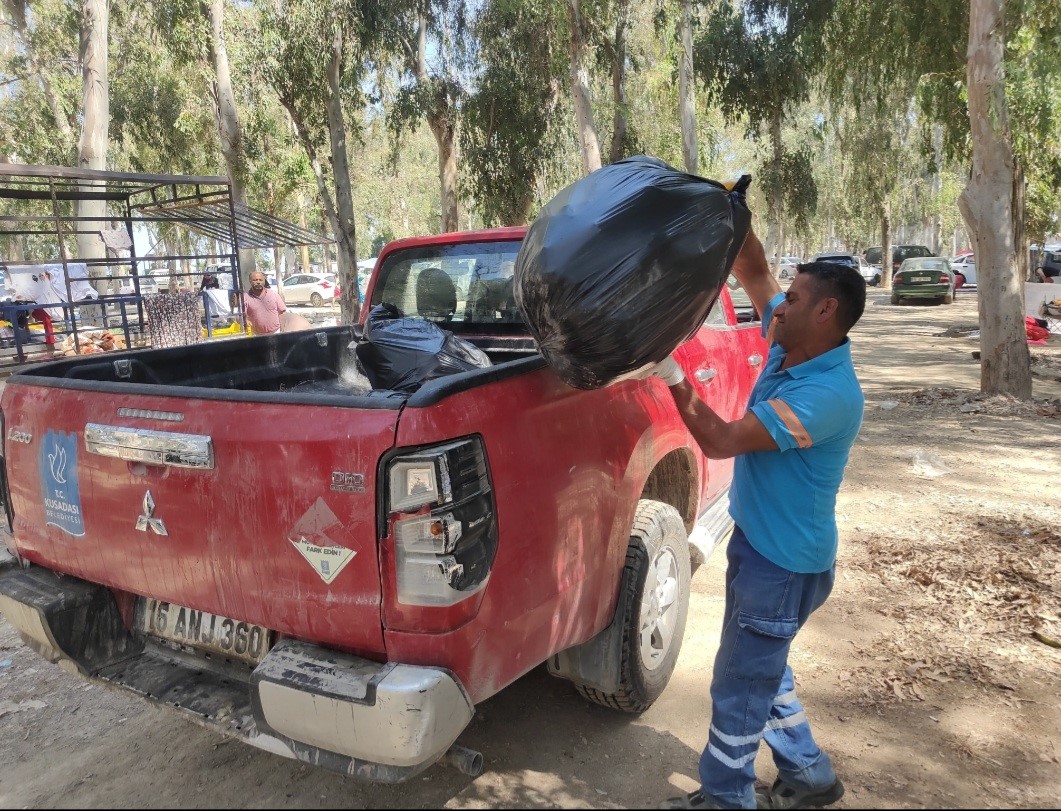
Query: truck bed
x=311 y=367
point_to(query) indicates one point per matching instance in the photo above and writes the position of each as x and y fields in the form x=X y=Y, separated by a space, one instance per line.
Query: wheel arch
x=674 y=480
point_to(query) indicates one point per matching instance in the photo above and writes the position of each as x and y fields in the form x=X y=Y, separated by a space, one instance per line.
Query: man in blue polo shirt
x=791 y=448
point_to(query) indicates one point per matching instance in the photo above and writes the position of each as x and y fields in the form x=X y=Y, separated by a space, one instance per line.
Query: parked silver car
x=309 y=288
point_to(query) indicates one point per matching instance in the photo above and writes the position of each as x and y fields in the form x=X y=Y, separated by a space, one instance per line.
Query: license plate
x=209 y=632
x=920 y=279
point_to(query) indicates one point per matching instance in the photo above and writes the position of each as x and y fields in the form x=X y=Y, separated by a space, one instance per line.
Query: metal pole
x=66 y=265
x=237 y=281
x=134 y=267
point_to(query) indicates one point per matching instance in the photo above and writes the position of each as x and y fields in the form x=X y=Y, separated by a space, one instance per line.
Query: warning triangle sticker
x=327 y=561
x=310 y=537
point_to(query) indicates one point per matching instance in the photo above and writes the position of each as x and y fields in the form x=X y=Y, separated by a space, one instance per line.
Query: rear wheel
x=895 y=298
x=316 y=300
x=876 y=280
x=783 y=273
x=653 y=605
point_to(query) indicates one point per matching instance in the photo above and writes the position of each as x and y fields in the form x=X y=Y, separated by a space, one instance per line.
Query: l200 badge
x=21 y=437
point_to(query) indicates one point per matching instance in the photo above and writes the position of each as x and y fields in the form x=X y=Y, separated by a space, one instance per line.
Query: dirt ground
x=929 y=675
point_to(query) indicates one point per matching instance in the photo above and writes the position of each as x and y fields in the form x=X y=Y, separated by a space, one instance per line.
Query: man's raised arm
x=753 y=272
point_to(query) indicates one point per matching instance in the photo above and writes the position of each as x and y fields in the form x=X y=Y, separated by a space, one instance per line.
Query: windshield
x=470 y=283
x=838 y=259
x=926 y=264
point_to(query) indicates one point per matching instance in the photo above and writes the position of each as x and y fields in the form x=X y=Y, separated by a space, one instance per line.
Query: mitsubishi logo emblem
x=148 y=518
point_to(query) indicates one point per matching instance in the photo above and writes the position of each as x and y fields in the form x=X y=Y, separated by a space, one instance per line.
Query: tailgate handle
x=150 y=447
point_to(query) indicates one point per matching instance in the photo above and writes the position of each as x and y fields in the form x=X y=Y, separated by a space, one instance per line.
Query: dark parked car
x=900 y=253
x=930 y=278
x=869 y=273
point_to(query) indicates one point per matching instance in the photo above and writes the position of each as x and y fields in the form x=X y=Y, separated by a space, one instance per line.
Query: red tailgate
x=262 y=512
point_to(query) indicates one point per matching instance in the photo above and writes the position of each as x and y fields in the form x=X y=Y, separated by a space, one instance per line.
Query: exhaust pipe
x=464 y=760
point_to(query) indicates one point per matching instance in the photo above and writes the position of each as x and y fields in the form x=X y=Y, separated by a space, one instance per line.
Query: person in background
x=1047 y=275
x=262 y=306
x=790 y=449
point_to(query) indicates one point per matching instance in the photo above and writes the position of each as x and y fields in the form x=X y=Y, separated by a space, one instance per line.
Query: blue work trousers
x=753 y=693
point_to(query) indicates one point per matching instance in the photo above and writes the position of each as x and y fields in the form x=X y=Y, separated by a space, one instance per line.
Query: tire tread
x=625 y=698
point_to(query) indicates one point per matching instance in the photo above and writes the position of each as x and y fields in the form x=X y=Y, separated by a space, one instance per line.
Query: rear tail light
x=440 y=507
x=326 y=285
x=944 y=278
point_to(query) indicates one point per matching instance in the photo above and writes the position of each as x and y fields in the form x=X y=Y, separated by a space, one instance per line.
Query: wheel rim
x=316 y=300
x=659 y=609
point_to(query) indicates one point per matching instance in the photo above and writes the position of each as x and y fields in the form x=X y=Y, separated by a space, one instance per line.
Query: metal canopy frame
x=38 y=203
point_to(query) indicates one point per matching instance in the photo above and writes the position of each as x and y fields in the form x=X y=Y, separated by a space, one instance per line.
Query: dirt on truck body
x=341 y=574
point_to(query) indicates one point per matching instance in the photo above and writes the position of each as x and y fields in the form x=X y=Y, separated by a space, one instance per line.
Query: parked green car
x=924 y=277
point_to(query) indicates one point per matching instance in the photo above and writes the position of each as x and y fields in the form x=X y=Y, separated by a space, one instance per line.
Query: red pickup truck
x=340 y=575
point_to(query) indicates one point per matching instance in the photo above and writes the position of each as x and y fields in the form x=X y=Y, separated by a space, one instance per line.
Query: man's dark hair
x=843 y=283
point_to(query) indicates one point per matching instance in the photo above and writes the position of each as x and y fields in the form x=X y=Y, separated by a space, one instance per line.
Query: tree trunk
x=228 y=126
x=620 y=127
x=937 y=189
x=773 y=230
x=987 y=205
x=580 y=94
x=1020 y=231
x=443 y=130
x=886 y=244
x=304 y=250
x=441 y=118
x=343 y=218
x=95 y=127
x=687 y=91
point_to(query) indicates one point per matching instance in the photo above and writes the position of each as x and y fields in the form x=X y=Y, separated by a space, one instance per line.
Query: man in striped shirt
x=790 y=451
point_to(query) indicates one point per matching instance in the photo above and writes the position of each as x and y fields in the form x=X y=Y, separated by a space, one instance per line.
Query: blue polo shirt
x=785 y=500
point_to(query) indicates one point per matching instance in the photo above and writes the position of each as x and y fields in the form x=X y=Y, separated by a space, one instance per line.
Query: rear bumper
x=922 y=291
x=382 y=722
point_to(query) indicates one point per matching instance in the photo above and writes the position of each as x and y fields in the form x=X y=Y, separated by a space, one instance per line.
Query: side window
x=717 y=316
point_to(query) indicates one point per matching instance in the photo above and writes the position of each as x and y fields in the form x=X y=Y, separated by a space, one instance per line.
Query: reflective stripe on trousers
x=753 y=693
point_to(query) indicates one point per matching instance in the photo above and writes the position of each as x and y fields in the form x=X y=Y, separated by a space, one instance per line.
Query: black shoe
x=694 y=799
x=785 y=795
x=762 y=796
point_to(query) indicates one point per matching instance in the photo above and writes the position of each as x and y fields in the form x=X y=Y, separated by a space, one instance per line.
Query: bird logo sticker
x=59 y=485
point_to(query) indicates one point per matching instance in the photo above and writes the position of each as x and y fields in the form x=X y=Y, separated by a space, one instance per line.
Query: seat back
x=436 y=295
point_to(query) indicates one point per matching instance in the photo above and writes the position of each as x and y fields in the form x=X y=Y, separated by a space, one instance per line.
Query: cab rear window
x=469 y=283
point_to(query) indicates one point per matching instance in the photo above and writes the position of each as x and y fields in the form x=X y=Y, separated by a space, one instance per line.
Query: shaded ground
x=923 y=674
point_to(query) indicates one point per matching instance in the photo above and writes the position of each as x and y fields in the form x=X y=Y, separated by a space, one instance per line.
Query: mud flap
x=597 y=662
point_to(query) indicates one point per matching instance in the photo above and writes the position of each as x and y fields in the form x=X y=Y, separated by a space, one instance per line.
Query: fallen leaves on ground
x=972 y=601
x=946 y=400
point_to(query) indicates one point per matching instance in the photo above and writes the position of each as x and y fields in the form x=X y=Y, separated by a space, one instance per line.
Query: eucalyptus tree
x=316 y=57
x=988 y=206
x=578 y=35
x=966 y=62
x=511 y=119
x=195 y=31
x=433 y=39
x=95 y=121
x=687 y=88
x=38 y=54
x=42 y=86
x=754 y=59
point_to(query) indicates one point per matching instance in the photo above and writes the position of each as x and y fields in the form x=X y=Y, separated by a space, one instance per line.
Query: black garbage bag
x=624 y=265
x=401 y=354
